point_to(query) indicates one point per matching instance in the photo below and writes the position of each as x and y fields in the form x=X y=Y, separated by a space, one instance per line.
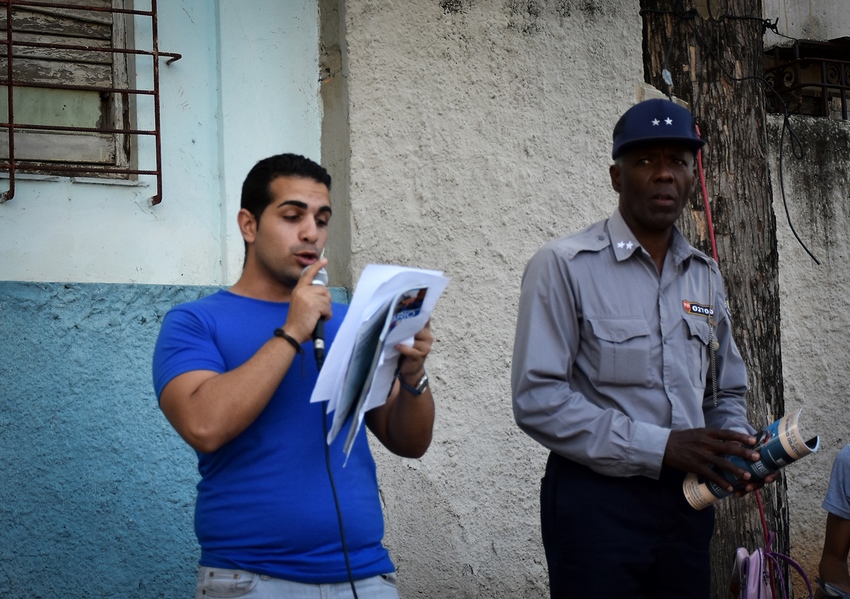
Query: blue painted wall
x=97 y=491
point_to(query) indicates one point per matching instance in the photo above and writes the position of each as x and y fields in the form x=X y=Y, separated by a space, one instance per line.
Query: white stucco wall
x=815 y=311
x=479 y=130
x=246 y=88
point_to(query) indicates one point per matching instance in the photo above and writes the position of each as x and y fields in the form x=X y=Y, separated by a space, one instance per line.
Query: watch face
x=418 y=388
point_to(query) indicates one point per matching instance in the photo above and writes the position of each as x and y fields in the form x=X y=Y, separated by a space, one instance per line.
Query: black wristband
x=283 y=335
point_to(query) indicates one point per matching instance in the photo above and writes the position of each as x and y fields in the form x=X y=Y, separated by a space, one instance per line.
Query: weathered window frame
x=811 y=78
x=105 y=150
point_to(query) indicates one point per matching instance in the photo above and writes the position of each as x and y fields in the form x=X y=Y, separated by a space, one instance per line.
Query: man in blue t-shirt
x=277 y=515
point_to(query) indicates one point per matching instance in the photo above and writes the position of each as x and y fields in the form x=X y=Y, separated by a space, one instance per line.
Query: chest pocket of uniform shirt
x=623 y=351
x=697 y=350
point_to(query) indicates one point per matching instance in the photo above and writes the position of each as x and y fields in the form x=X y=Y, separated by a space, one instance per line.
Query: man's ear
x=696 y=179
x=247 y=225
x=615 y=171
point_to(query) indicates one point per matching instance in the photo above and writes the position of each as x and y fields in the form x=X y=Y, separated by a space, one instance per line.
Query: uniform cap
x=653 y=121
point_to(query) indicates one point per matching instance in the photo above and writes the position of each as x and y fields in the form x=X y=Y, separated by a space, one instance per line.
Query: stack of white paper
x=390 y=305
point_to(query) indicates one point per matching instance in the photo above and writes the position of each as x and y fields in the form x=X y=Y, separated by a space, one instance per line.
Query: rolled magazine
x=780 y=444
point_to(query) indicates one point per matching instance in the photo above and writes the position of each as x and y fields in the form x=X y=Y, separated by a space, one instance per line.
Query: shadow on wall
x=93 y=479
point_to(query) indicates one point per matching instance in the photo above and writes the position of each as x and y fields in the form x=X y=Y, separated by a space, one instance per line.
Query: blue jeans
x=215 y=583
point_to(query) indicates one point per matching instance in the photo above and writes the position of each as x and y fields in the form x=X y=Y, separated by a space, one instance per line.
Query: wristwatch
x=418 y=388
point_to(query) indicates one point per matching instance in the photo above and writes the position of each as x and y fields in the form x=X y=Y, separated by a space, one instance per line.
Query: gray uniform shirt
x=609 y=356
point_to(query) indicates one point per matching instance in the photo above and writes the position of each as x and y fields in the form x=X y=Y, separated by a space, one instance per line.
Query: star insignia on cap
x=668 y=121
x=655 y=122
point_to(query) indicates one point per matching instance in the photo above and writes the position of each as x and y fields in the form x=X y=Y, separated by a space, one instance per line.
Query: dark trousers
x=610 y=537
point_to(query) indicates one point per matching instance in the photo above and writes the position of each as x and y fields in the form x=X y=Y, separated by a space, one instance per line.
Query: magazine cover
x=780 y=444
x=370 y=343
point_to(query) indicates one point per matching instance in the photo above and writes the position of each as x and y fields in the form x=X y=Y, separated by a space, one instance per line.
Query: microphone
x=321 y=278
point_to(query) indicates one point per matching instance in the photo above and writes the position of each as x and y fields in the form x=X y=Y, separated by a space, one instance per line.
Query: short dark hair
x=255 y=189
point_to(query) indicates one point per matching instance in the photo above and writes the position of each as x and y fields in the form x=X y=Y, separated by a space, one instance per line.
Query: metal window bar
x=13 y=165
x=791 y=76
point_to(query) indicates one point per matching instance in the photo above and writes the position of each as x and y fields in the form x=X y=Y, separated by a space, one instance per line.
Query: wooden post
x=714 y=59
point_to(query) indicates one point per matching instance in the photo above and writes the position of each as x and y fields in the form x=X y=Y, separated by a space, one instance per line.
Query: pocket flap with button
x=617 y=331
x=698 y=328
x=623 y=350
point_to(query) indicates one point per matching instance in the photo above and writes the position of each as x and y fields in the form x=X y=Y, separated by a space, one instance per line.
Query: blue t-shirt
x=265 y=502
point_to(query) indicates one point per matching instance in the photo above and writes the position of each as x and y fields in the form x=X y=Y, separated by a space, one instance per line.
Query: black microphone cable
x=319 y=350
x=336 y=504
